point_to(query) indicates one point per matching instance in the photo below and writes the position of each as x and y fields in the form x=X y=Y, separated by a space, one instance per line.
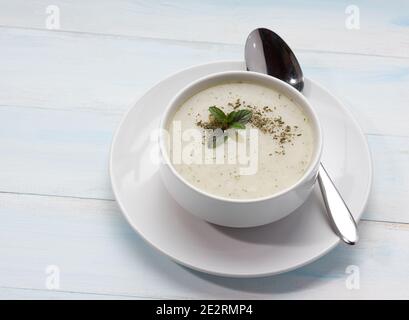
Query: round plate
x=294 y=241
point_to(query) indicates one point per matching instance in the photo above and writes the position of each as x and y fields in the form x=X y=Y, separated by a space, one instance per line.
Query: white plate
x=300 y=238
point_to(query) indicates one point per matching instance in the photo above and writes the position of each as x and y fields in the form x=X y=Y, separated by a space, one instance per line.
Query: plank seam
x=113 y=200
x=92 y=293
x=113 y=35
x=123 y=112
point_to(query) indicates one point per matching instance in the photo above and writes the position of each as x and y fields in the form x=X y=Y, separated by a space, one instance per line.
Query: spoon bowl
x=267 y=53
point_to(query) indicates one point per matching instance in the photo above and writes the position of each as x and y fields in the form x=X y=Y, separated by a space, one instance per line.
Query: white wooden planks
x=75 y=71
x=63 y=93
x=65 y=153
x=312 y=25
x=97 y=252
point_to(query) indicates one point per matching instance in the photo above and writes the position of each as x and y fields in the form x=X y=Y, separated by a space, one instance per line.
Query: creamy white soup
x=267 y=150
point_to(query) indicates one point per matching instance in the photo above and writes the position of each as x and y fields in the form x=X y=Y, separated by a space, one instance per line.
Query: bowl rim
x=315 y=160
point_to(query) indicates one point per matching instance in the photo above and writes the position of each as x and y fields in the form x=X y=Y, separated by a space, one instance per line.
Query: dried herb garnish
x=261 y=118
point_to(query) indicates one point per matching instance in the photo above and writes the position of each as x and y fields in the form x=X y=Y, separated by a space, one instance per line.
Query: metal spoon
x=266 y=52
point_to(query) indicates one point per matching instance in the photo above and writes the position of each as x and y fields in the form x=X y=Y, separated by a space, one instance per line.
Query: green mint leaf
x=218 y=114
x=237 y=125
x=222 y=122
x=242 y=116
x=230 y=117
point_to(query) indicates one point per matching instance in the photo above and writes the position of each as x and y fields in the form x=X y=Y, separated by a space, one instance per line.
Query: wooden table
x=63 y=90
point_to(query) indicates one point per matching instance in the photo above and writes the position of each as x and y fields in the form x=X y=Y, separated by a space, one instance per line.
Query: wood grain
x=77 y=71
x=65 y=153
x=97 y=252
x=44 y=294
x=63 y=92
x=316 y=25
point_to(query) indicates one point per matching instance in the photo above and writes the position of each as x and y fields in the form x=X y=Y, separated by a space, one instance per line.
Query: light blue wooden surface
x=63 y=92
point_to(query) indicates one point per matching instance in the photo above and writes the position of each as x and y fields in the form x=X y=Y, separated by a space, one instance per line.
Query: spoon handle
x=341 y=218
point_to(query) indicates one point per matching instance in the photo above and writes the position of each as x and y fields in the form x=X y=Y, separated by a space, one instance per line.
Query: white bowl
x=234 y=212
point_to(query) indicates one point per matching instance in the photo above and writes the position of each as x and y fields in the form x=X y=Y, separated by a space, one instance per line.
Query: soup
x=240 y=141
